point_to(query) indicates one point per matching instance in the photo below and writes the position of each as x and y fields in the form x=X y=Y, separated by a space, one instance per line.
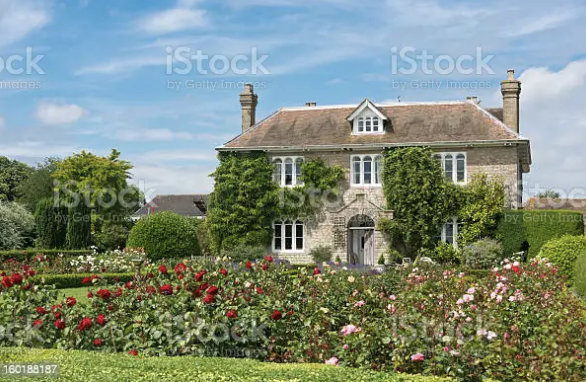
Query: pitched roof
x=186 y=205
x=407 y=124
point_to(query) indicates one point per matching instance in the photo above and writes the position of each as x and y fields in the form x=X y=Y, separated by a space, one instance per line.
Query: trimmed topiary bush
x=482 y=254
x=164 y=235
x=79 y=225
x=580 y=275
x=518 y=230
x=321 y=254
x=564 y=251
x=445 y=253
x=51 y=224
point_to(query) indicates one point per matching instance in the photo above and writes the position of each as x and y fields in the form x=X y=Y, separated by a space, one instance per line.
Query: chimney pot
x=248 y=101
x=308 y=104
x=313 y=104
x=511 y=89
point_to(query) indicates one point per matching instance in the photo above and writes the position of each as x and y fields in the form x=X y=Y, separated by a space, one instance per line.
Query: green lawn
x=80 y=294
x=85 y=366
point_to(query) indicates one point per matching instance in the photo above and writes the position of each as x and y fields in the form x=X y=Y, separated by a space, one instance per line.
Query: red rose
x=166 y=289
x=223 y=271
x=110 y=307
x=118 y=292
x=162 y=269
x=6 y=282
x=151 y=289
x=213 y=290
x=316 y=271
x=203 y=286
x=85 y=323
x=231 y=314
x=199 y=276
x=276 y=316
x=104 y=294
x=290 y=313
x=269 y=258
x=38 y=323
x=259 y=290
x=94 y=277
x=59 y=324
x=248 y=265
x=57 y=315
x=129 y=285
x=90 y=294
x=31 y=273
x=86 y=280
x=181 y=276
x=71 y=301
x=41 y=310
x=265 y=267
x=180 y=268
x=16 y=278
x=97 y=342
x=209 y=299
x=133 y=352
x=197 y=293
x=101 y=319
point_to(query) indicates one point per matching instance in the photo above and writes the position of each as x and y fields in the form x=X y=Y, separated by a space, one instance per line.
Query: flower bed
x=519 y=322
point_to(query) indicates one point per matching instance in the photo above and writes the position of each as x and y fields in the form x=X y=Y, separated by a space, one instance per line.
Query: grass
x=85 y=366
x=80 y=294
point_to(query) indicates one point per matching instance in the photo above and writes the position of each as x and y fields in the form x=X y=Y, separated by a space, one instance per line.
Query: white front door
x=363 y=246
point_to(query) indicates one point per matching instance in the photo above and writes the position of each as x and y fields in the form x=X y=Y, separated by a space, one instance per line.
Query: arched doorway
x=361 y=248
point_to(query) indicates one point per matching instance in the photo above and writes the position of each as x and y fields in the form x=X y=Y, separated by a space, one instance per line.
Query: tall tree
x=12 y=173
x=78 y=227
x=51 y=224
x=39 y=185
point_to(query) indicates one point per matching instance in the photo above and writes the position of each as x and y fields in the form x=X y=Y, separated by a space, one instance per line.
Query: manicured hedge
x=536 y=227
x=27 y=254
x=75 y=280
x=86 y=366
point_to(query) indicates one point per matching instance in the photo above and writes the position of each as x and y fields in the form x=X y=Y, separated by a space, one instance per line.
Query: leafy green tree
x=244 y=202
x=421 y=198
x=51 y=224
x=12 y=173
x=24 y=222
x=39 y=185
x=549 y=194
x=9 y=236
x=78 y=227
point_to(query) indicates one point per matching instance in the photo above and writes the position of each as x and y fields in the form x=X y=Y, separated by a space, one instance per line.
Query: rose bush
x=519 y=322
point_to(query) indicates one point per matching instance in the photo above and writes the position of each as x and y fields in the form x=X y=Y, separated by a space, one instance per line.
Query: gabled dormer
x=367 y=119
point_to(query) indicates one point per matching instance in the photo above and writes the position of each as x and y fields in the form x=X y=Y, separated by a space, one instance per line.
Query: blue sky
x=105 y=84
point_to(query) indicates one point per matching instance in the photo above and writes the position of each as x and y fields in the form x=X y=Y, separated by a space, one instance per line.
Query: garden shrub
x=51 y=224
x=533 y=228
x=244 y=252
x=9 y=235
x=27 y=254
x=16 y=217
x=321 y=254
x=580 y=275
x=112 y=235
x=164 y=235
x=445 y=253
x=564 y=251
x=482 y=254
x=79 y=227
x=62 y=281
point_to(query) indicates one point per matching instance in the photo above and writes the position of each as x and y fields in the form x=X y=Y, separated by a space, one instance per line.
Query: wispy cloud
x=183 y=17
x=50 y=113
x=540 y=24
x=121 y=65
x=18 y=18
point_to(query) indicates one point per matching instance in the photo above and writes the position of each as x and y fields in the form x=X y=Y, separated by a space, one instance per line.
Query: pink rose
x=418 y=357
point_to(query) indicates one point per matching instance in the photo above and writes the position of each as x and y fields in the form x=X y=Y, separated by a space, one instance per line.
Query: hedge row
x=87 y=366
x=62 y=281
x=28 y=254
x=530 y=229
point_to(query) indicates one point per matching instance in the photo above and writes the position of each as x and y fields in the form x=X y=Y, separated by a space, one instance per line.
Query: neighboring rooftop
x=193 y=205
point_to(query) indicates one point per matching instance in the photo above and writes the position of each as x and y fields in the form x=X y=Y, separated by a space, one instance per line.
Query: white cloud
x=179 y=155
x=541 y=24
x=122 y=65
x=58 y=114
x=183 y=17
x=36 y=150
x=18 y=18
x=553 y=117
x=169 y=179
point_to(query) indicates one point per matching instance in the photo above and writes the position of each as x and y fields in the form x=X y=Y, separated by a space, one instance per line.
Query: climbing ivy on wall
x=246 y=200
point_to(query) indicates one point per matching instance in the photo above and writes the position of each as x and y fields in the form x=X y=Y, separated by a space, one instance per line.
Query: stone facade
x=331 y=228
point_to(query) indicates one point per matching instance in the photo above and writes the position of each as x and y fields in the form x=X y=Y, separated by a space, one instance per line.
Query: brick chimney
x=511 y=88
x=248 y=100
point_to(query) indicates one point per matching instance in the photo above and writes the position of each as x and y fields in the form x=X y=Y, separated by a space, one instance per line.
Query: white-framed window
x=288 y=236
x=454 y=166
x=287 y=171
x=367 y=125
x=366 y=170
x=450 y=231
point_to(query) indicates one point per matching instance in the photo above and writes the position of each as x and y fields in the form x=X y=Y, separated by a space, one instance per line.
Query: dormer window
x=367 y=119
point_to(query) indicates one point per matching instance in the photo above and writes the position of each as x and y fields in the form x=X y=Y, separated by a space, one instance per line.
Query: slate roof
x=194 y=205
x=417 y=123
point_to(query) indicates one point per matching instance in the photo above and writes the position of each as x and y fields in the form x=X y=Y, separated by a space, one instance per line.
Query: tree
x=421 y=198
x=38 y=185
x=78 y=227
x=482 y=204
x=12 y=173
x=23 y=221
x=244 y=202
x=551 y=194
x=51 y=224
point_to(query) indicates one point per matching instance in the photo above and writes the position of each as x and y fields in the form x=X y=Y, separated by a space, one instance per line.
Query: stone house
x=467 y=138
